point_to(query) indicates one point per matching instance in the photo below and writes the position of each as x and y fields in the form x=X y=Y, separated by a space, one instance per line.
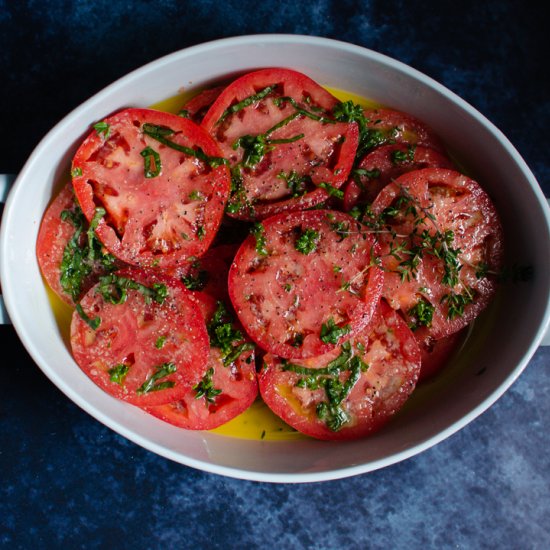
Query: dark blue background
x=68 y=481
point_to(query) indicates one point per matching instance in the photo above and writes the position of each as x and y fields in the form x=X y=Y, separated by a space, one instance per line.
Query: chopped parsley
x=83 y=253
x=224 y=336
x=307 y=241
x=258 y=231
x=421 y=314
x=205 y=388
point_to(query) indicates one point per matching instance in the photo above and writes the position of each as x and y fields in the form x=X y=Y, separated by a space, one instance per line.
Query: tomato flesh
x=302 y=303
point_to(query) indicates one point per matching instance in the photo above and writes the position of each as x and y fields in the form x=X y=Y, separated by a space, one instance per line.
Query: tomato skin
x=363 y=189
x=284 y=297
x=143 y=335
x=154 y=221
x=199 y=104
x=388 y=347
x=460 y=205
x=324 y=154
x=237 y=382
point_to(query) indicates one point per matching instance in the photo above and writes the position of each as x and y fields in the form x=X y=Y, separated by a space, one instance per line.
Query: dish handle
x=6 y=181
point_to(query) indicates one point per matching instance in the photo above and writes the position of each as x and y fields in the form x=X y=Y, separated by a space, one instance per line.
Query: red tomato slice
x=63 y=249
x=445 y=230
x=197 y=106
x=355 y=398
x=384 y=164
x=276 y=128
x=305 y=282
x=162 y=205
x=227 y=389
x=393 y=126
x=142 y=351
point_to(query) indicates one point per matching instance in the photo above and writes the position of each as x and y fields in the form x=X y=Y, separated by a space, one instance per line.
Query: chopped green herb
x=76 y=172
x=153 y=384
x=259 y=234
x=225 y=337
x=307 y=241
x=331 y=332
x=113 y=288
x=118 y=373
x=151 y=163
x=196 y=282
x=159 y=344
x=103 y=129
x=205 y=388
x=457 y=302
x=400 y=157
x=160 y=133
x=330 y=379
x=369 y=138
x=421 y=314
x=81 y=256
x=331 y=190
x=92 y=323
x=250 y=100
x=296 y=183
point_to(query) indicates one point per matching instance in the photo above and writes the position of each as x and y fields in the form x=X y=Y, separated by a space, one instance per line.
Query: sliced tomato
x=351 y=391
x=229 y=386
x=155 y=182
x=141 y=337
x=441 y=246
x=70 y=258
x=389 y=126
x=384 y=164
x=286 y=150
x=198 y=105
x=305 y=282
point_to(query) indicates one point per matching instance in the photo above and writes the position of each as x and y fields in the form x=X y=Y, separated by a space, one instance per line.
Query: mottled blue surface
x=66 y=481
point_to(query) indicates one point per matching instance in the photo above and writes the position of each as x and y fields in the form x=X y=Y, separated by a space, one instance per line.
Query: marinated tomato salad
x=268 y=242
